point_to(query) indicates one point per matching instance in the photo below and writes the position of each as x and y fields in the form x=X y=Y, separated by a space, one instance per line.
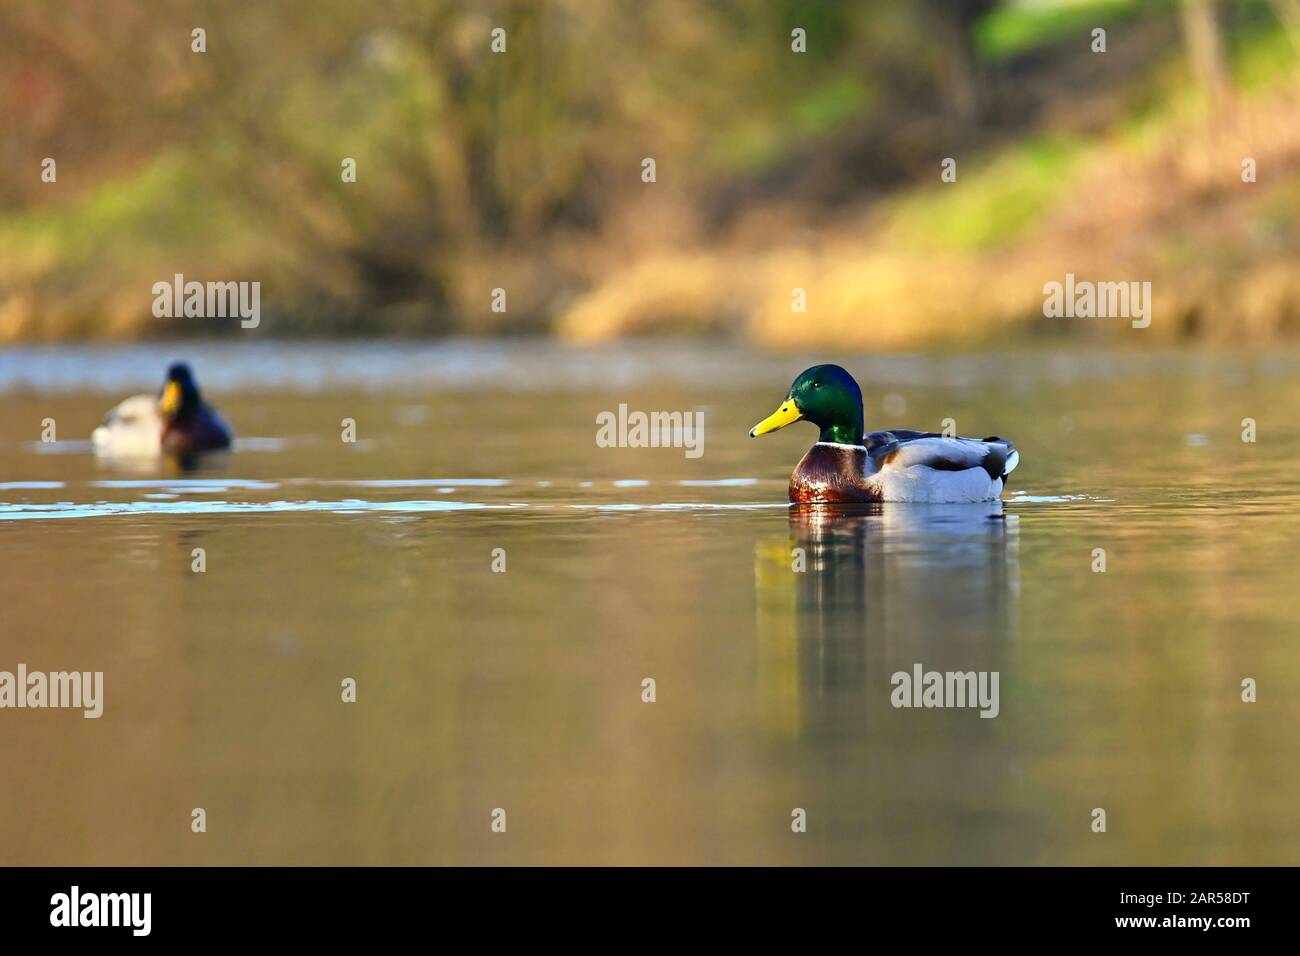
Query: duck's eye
x=817 y=384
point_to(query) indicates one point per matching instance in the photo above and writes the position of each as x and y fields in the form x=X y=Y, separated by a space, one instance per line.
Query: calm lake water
x=522 y=690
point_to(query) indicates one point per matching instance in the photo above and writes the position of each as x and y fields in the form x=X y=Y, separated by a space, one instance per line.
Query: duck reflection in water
x=858 y=593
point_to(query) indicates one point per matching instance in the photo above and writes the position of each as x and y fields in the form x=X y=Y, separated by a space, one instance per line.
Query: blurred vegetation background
x=775 y=169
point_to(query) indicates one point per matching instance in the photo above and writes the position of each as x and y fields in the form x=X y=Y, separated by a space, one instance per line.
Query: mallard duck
x=846 y=466
x=178 y=422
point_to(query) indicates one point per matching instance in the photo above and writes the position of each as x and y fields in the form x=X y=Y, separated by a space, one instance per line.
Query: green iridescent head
x=825 y=395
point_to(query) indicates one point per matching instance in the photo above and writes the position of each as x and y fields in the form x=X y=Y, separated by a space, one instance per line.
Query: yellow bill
x=171 y=399
x=787 y=413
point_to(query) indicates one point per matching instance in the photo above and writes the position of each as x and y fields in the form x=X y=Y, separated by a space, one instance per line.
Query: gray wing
x=906 y=449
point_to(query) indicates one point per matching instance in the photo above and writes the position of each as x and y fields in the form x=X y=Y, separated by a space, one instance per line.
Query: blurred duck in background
x=175 y=423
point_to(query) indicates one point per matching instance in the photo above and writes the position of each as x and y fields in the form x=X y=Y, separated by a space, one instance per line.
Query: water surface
x=522 y=690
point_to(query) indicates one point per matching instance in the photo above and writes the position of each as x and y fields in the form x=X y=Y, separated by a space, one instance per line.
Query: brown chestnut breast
x=832 y=474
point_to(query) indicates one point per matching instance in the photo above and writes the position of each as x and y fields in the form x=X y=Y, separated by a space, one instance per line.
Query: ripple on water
x=422 y=482
x=68 y=509
x=188 y=496
x=717 y=482
x=1021 y=498
x=182 y=486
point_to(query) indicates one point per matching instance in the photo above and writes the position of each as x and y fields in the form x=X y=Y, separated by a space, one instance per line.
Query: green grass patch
x=832 y=103
x=990 y=205
x=1260 y=56
x=1026 y=24
x=161 y=205
x=752 y=144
